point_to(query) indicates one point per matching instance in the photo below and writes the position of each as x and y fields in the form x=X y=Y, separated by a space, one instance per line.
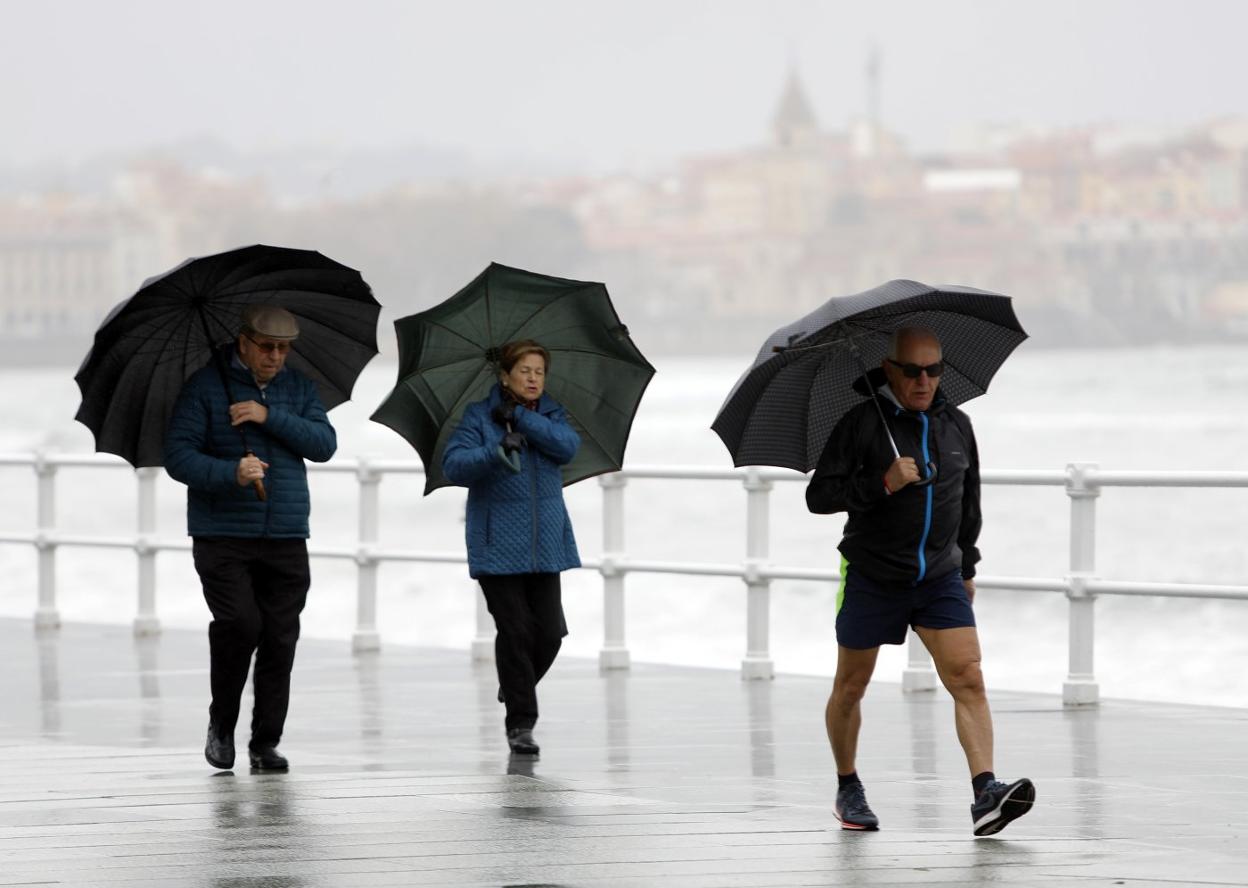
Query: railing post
x=918 y=674
x=483 y=641
x=614 y=653
x=145 y=621
x=46 y=614
x=366 y=637
x=1081 y=688
x=757 y=663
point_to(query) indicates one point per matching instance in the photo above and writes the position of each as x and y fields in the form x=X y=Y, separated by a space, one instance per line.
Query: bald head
x=913 y=367
x=904 y=337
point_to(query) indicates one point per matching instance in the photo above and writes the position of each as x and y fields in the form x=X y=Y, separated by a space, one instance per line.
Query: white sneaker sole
x=1014 y=804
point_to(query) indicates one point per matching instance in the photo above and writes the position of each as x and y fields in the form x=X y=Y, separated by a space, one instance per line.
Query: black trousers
x=255 y=589
x=528 y=614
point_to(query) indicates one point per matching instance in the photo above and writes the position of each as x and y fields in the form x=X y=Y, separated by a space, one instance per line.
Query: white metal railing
x=1083 y=483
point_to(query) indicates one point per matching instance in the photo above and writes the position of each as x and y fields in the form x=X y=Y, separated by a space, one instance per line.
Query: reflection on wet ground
x=661 y=775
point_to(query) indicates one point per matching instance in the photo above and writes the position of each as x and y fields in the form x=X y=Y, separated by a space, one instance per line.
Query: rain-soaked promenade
x=656 y=776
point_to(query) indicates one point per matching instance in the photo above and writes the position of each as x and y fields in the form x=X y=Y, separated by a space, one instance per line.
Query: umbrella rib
x=176 y=285
x=455 y=333
x=186 y=352
x=164 y=347
x=149 y=390
x=170 y=324
x=457 y=405
x=216 y=316
x=592 y=393
x=597 y=354
x=545 y=305
x=489 y=320
x=327 y=324
x=420 y=370
x=236 y=294
x=598 y=443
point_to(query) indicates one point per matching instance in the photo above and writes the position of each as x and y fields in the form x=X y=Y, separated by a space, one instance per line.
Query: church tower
x=794 y=125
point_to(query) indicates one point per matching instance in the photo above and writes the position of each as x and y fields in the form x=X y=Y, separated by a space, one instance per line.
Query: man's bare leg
x=843 y=718
x=955 y=652
x=843 y=715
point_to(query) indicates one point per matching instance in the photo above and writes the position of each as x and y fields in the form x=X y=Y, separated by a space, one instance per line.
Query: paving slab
x=658 y=775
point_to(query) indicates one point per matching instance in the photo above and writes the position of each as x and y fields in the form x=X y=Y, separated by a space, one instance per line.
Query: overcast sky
x=593 y=83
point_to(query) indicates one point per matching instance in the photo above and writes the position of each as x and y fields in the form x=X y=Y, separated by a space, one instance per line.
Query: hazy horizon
x=592 y=86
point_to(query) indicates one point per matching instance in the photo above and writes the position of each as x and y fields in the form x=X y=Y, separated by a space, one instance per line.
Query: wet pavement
x=657 y=776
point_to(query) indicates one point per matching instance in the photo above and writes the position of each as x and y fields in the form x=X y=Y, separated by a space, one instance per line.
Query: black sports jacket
x=917 y=533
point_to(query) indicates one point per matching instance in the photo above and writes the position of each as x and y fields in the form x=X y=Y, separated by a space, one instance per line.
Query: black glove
x=514 y=441
x=504 y=412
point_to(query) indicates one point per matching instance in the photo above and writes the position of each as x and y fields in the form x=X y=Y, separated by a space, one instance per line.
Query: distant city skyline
x=570 y=86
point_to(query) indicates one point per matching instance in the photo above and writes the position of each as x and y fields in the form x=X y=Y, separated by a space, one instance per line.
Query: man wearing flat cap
x=240 y=432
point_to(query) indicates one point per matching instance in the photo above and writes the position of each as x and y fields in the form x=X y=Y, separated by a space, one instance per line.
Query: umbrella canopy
x=782 y=410
x=448 y=358
x=152 y=342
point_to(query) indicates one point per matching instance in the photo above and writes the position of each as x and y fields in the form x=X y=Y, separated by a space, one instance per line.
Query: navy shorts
x=869 y=615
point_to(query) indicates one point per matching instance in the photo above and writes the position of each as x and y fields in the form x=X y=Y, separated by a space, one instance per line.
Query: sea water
x=1145 y=408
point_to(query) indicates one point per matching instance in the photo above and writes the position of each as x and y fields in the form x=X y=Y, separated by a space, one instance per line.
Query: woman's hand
x=513 y=441
x=504 y=412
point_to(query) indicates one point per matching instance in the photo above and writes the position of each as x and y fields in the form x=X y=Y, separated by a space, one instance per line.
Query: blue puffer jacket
x=517 y=522
x=202 y=451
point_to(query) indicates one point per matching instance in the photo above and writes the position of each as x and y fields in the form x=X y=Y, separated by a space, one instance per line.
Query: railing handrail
x=1083 y=483
x=1094 y=476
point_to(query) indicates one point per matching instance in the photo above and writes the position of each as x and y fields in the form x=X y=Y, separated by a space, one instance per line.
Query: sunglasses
x=269 y=347
x=912 y=371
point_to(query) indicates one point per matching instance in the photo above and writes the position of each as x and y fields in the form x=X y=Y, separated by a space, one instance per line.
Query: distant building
x=64 y=264
x=65 y=261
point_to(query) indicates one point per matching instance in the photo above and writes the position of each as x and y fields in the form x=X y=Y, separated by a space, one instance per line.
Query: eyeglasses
x=913 y=371
x=270 y=347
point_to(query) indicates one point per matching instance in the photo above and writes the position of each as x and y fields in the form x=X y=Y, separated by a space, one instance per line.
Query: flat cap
x=272 y=321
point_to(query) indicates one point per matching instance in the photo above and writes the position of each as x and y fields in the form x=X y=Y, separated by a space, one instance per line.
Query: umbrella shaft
x=866 y=381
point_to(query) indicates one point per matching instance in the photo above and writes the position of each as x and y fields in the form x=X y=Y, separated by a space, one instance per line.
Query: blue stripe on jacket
x=927 y=508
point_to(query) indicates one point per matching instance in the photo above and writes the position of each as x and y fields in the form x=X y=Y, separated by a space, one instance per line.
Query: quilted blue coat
x=517 y=522
x=202 y=451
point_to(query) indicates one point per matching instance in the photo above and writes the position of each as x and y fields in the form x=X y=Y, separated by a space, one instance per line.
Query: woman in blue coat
x=507 y=451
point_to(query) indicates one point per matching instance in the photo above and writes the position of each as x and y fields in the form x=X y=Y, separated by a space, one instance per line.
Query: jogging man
x=909 y=559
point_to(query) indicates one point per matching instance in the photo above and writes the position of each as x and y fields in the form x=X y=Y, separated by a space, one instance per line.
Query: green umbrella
x=448 y=359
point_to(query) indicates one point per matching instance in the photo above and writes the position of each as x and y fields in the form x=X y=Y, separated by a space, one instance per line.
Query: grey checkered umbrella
x=782 y=410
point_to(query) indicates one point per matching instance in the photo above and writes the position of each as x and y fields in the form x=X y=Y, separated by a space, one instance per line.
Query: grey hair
x=914 y=332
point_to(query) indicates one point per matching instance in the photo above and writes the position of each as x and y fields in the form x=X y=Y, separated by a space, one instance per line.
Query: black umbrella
x=175 y=324
x=448 y=358
x=782 y=410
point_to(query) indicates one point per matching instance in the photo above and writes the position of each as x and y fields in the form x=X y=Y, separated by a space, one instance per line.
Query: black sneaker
x=999 y=803
x=521 y=741
x=852 y=809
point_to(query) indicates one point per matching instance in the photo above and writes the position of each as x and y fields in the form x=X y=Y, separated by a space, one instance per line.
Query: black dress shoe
x=521 y=741
x=219 y=749
x=267 y=758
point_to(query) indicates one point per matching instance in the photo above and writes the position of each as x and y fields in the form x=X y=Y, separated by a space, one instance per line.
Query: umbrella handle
x=258 y=485
x=510 y=460
x=924 y=482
